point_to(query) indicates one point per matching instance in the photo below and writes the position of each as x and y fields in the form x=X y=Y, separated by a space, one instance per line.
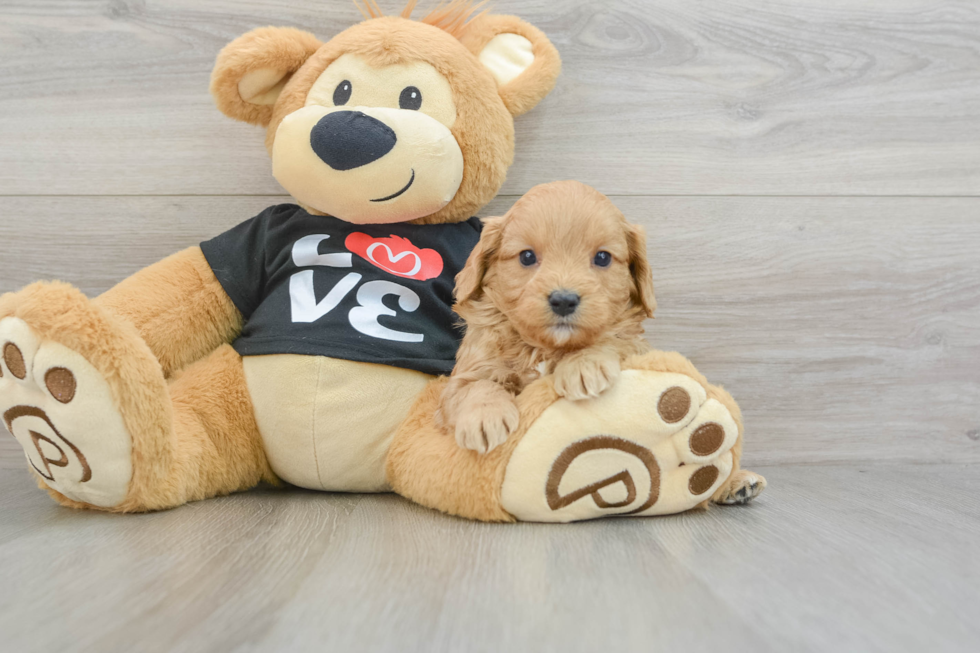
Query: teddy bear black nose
x=563 y=302
x=350 y=139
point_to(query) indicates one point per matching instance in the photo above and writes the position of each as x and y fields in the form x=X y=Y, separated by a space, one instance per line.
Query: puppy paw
x=583 y=376
x=486 y=424
x=741 y=488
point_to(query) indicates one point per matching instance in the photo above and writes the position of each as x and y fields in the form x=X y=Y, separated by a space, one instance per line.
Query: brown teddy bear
x=294 y=346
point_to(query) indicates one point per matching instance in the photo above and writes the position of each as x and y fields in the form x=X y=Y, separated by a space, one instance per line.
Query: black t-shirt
x=320 y=286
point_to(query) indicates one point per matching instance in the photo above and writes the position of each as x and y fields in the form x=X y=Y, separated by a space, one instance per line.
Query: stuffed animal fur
x=304 y=345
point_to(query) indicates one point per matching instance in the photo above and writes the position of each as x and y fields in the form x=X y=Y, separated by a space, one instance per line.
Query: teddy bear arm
x=178 y=307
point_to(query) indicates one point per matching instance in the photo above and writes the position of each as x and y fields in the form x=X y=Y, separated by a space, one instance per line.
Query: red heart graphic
x=396 y=255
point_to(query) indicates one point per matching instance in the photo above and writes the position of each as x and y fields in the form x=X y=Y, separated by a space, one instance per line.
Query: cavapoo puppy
x=559 y=285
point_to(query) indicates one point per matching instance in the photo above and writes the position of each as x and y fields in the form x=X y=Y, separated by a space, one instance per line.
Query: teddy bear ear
x=251 y=71
x=518 y=55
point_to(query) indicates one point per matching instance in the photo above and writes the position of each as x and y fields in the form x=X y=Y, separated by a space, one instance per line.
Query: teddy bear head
x=393 y=119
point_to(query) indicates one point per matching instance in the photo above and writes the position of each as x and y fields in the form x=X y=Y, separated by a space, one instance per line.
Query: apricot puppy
x=559 y=285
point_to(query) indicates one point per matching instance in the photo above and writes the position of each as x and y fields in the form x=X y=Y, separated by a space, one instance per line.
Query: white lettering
x=364 y=318
x=302 y=298
x=306 y=251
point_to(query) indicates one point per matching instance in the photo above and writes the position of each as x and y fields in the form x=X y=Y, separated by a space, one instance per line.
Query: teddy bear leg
x=661 y=441
x=426 y=465
x=217 y=447
x=100 y=426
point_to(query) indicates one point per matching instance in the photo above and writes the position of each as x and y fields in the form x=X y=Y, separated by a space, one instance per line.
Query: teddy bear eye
x=341 y=94
x=411 y=98
x=528 y=258
x=602 y=259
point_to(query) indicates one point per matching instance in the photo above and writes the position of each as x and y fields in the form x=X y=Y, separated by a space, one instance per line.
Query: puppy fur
x=513 y=333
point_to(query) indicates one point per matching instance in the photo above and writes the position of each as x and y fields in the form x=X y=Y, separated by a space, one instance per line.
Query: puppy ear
x=469 y=281
x=636 y=238
x=251 y=71
x=518 y=55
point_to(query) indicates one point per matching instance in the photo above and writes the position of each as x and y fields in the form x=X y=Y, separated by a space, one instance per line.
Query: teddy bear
x=306 y=345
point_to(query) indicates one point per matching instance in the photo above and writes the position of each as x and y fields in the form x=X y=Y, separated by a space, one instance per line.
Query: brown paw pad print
x=649 y=496
x=14 y=360
x=674 y=404
x=60 y=383
x=59 y=380
x=707 y=439
x=702 y=480
x=52 y=442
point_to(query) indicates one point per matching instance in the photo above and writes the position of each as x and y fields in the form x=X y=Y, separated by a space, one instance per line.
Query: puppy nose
x=563 y=302
x=350 y=139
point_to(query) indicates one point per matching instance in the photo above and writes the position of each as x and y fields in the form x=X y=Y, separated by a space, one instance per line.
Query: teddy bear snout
x=350 y=139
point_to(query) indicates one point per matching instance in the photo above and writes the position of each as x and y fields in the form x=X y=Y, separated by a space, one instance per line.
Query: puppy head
x=563 y=265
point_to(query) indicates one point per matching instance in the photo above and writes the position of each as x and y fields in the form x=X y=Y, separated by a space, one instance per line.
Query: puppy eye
x=602 y=259
x=341 y=94
x=528 y=258
x=411 y=98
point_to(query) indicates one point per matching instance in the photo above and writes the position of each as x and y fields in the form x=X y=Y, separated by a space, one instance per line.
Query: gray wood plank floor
x=878 y=558
x=809 y=175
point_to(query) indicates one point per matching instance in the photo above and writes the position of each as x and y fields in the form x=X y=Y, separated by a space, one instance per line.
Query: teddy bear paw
x=653 y=444
x=61 y=411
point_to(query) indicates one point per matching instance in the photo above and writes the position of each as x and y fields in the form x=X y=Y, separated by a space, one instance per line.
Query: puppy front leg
x=587 y=373
x=482 y=413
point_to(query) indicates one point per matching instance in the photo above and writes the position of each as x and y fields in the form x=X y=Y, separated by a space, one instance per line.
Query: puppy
x=559 y=285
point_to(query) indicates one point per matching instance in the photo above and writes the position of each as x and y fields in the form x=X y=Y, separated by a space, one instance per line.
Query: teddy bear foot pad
x=61 y=411
x=651 y=445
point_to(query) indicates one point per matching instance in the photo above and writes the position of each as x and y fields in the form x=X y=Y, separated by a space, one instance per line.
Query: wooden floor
x=833 y=558
x=808 y=172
